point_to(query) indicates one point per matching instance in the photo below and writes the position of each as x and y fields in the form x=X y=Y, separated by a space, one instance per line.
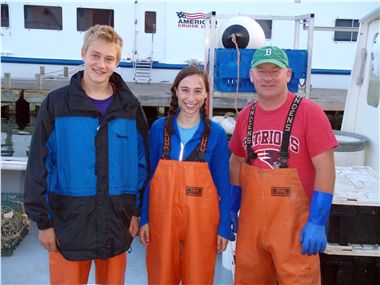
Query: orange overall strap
x=273 y=211
x=183 y=224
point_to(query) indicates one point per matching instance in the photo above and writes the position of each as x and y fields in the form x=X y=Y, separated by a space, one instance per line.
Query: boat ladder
x=142 y=70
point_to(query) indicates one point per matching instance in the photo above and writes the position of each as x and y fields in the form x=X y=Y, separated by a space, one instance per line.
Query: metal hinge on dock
x=142 y=70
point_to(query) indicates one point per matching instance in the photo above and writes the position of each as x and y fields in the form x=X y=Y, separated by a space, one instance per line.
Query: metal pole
x=296 y=34
x=207 y=43
x=309 y=56
x=211 y=62
x=134 y=52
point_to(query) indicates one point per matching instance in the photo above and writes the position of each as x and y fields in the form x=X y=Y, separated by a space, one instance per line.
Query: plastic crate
x=225 y=69
x=354 y=224
x=349 y=270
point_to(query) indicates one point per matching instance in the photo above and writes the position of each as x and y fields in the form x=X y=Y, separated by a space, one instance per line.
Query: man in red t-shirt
x=282 y=157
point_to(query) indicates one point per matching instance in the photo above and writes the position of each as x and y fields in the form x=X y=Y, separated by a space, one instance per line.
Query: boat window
x=374 y=73
x=88 y=17
x=43 y=17
x=150 y=22
x=346 y=36
x=267 y=27
x=4 y=15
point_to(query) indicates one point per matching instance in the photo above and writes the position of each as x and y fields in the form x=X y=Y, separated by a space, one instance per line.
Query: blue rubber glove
x=313 y=235
x=235 y=206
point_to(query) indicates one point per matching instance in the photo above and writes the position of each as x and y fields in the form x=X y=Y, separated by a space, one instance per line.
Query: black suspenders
x=251 y=154
x=167 y=145
x=284 y=151
x=196 y=155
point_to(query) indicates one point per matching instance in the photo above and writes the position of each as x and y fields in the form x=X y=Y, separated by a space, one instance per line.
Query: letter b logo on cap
x=270 y=54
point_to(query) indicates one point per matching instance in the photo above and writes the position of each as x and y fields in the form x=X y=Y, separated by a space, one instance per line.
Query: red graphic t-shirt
x=311 y=135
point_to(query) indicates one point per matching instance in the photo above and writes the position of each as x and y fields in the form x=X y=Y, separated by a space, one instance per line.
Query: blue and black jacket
x=86 y=173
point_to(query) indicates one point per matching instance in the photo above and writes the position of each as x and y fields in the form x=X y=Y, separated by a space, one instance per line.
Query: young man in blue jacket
x=87 y=167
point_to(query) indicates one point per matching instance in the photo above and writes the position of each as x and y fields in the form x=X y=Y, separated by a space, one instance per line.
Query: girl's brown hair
x=187 y=71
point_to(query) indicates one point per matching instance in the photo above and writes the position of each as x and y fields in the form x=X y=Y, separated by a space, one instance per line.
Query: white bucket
x=351 y=149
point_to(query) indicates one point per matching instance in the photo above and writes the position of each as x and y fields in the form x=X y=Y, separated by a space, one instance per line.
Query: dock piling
x=7 y=81
x=39 y=81
x=65 y=71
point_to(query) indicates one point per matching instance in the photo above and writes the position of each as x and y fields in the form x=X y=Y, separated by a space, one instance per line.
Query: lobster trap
x=14 y=222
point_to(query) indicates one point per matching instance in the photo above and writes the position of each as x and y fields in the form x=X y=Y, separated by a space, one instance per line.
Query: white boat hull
x=13 y=174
